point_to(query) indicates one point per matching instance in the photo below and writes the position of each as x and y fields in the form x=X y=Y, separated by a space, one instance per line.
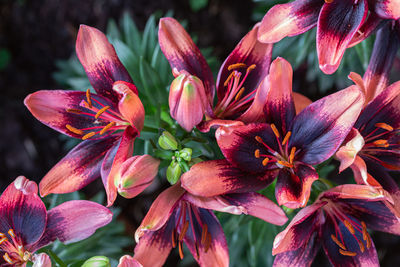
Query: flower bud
x=187 y=100
x=173 y=172
x=135 y=174
x=97 y=261
x=167 y=141
x=186 y=154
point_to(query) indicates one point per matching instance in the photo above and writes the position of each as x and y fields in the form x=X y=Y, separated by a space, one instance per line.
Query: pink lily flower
x=333 y=38
x=128 y=261
x=26 y=225
x=178 y=217
x=284 y=148
x=338 y=220
x=108 y=122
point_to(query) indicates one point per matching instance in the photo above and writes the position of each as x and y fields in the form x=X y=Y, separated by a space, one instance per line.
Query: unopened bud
x=97 y=261
x=186 y=154
x=167 y=141
x=173 y=172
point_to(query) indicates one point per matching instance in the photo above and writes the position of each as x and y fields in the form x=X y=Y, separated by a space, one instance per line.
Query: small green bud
x=173 y=172
x=195 y=161
x=186 y=154
x=167 y=141
x=97 y=261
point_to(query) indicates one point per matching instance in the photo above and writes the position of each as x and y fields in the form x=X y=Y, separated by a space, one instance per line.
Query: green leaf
x=197 y=5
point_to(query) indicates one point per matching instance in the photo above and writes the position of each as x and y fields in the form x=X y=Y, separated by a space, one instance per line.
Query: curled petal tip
x=22 y=184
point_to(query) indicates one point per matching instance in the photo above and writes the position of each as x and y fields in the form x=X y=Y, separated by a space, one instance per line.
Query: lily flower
x=128 y=261
x=286 y=147
x=26 y=225
x=241 y=96
x=178 y=217
x=333 y=38
x=338 y=220
x=107 y=121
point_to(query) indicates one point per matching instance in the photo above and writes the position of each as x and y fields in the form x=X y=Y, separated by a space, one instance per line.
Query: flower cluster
x=267 y=134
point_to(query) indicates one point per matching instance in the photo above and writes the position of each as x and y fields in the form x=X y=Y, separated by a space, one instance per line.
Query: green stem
x=56 y=258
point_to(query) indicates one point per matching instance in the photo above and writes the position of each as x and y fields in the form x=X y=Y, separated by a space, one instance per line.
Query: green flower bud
x=97 y=261
x=173 y=172
x=167 y=141
x=186 y=154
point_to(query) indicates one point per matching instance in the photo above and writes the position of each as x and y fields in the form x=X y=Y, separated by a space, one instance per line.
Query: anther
x=74 y=130
x=275 y=130
x=258 y=139
x=349 y=227
x=107 y=127
x=11 y=233
x=236 y=66
x=73 y=110
x=384 y=126
x=287 y=136
x=7 y=258
x=328 y=1
x=251 y=67
x=364 y=229
x=208 y=243
x=286 y=164
x=183 y=231
x=173 y=238
x=101 y=111
x=265 y=161
x=180 y=250
x=2 y=235
x=381 y=143
x=337 y=242
x=88 y=135
x=204 y=233
x=239 y=94
x=361 y=245
x=257 y=153
x=229 y=78
x=4 y=239
x=292 y=153
x=88 y=98
x=347 y=253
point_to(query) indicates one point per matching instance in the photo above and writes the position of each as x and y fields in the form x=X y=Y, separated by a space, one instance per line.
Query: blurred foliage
x=197 y=5
x=5 y=58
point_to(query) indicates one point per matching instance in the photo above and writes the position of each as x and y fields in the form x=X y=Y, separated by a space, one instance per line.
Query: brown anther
x=229 y=78
x=381 y=143
x=384 y=126
x=251 y=67
x=265 y=161
x=180 y=250
x=236 y=66
x=73 y=110
x=337 y=242
x=208 y=243
x=11 y=233
x=292 y=153
x=286 y=164
x=257 y=153
x=361 y=245
x=349 y=227
x=287 y=136
x=204 y=233
x=275 y=130
x=183 y=231
x=74 y=130
x=7 y=258
x=101 y=111
x=368 y=241
x=239 y=94
x=4 y=239
x=88 y=135
x=347 y=253
x=107 y=127
x=88 y=98
x=259 y=139
x=173 y=239
x=364 y=229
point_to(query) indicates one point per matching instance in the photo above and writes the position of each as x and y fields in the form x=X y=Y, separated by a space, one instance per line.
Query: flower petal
x=160 y=211
x=367 y=28
x=300 y=101
x=250 y=52
x=41 y=260
x=183 y=54
x=346 y=154
x=205 y=126
x=22 y=210
x=217 y=177
x=100 y=62
x=78 y=168
x=338 y=22
x=289 y=20
x=128 y=261
x=387 y=9
x=280 y=109
x=252 y=203
x=319 y=130
x=293 y=188
x=51 y=108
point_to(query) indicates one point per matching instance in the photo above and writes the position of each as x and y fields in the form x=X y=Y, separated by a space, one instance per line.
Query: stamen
x=347 y=253
x=4 y=239
x=204 y=233
x=107 y=127
x=292 y=153
x=88 y=135
x=366 y=236
x=74 y=130
x=197 y=250
x=384 y=126
x=88 y=98
x=101 y=111
x=287 y=136
x=183 y=231
x=286 y=164
x=275 y=130
x=258 y=139
x=180 y=250
x=73 y=110
x=208 y=243
x=361 y=245
x=2 y=235
x=11 y=233
x=349 y=227
x=7 y=258
x=239 y=94
x=328 y=1
x=173 y=238
x=257 y=153
x=337 y=242
x=381 y=143
x=229 y=78
x=236 y=66
x=265 y=161
x=368 y=241
x=251 y=67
